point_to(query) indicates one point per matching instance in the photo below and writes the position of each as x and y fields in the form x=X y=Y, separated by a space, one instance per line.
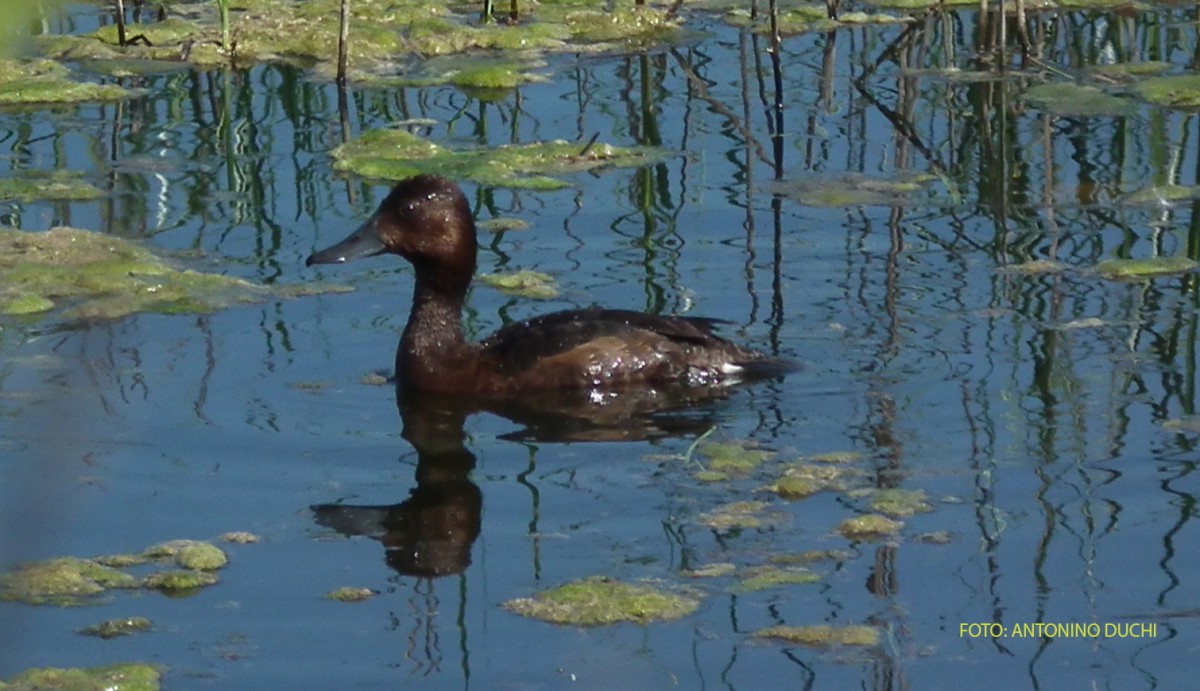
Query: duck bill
x=364 y=242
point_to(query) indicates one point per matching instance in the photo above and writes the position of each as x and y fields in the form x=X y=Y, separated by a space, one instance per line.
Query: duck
x=427 y=220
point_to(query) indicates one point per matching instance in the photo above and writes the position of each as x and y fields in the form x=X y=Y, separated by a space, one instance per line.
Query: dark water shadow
x=430 y=533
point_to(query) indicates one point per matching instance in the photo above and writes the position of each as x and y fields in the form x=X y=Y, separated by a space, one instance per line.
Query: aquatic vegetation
x=176 y=580
x=1178 y=91
x=239 y=537
x=803 y=479
x=27 y=82
x=126 y=676
x=350 y=594
x=71 y=581
x=740 y=515
x=715 y=570
x=389 y=154
x=869 y=526
x=201 y=556
x=104 y=277
x=895 y=502
x=811 y=557
x=33 y=185
x=736 y=457
x=708 y=476
x=530 y=284
x=501 y=225
x=601 y=601
x=823 y=635
x=1033 y=267
x=1128 y=71
x=937 y=537
x=764 y=578
x=795 y=487
x=853 y=190
x=1149 y=267
x=64 y=582
x=1066 y=98
x=113 y=628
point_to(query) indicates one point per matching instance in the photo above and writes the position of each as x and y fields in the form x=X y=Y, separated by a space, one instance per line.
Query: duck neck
x=433 y=339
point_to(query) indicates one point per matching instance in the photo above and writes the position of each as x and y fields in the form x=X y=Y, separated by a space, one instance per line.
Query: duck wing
x=600 y=347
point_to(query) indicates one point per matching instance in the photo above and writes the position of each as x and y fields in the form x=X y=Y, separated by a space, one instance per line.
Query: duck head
x=426 y=220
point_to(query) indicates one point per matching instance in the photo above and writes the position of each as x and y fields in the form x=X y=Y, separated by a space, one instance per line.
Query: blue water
x=1038 y=438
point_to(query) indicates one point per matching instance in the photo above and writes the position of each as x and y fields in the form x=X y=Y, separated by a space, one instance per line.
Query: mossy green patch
x=128 y=676
x=239 y=537
x=38 y=82
x=808 y=18
x=350 y=594
x=795 y=487
x=123 y=561
x=773 y=577
x=602 y=601
x=501 y=225
x=64 y=582
x=1065 y=98
x=530 y=284
x=869 y=526
x=1149 y=267
x=737 y=458
x=708 y=476
x=822 y=636
x=103 y=277
x=895 y=502
x=741 y=515
x=1034 y=267
x=396 y=154
x=853 y=190
x=1179 y=91
x=811 y=556
x=179 y=580
x=1128 y=71
x=33 y=185
x=201 y=556
x=716 y=570
x=803 y=479
x=113 y=628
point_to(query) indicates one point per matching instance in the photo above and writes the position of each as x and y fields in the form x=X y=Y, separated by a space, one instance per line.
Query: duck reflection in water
x=430 y=533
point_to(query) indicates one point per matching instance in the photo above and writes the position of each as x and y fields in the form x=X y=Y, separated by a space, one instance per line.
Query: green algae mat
x=94 y=276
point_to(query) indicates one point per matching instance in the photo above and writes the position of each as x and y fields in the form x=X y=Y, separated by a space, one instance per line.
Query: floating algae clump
x=530 y=284
x=46 y=82
x=895 y=501
x=65 y=582
x=127 y=676
x=112 y=628
x=350 y=594
x=823 y=635
x=396 y=154
x=201 y=556
x=33 y=185
x=774 y=577
x=104 y=277
x=733 y=457
x=602 y=601
x=179 y=580
x=1150 y=267
x=869 y=526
